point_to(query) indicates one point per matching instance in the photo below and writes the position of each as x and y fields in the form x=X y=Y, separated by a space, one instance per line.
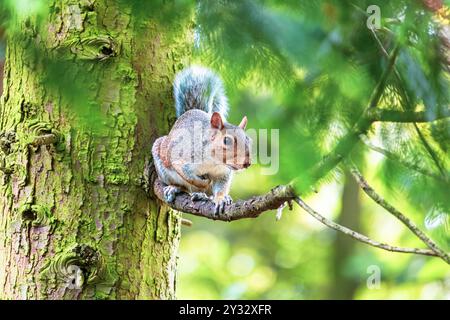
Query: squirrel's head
x=230 y=145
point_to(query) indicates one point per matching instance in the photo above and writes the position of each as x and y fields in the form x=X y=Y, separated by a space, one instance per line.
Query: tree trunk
x=344 y=283
x=77 y=220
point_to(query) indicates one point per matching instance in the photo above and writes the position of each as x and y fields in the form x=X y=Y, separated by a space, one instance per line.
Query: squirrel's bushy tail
x=199 y=88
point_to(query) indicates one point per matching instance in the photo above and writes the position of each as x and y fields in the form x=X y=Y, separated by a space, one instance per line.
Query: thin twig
x=382 y=83
x=388 y=115
x=360 y=237
x=396 y=213
x=186 y=222
x=430 y=150
x=255 y=206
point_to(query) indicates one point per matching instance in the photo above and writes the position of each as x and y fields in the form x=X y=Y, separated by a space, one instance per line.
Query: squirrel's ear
x=243 y=123
x=216 y=121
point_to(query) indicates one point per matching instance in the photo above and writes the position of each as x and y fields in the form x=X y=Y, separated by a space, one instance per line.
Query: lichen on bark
x=83 y=189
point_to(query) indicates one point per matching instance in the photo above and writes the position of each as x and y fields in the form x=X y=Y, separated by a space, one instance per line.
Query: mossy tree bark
x=76 y=219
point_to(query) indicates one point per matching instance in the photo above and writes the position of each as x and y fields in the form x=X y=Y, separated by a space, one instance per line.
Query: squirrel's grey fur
x=199 y=88
x=202 y=167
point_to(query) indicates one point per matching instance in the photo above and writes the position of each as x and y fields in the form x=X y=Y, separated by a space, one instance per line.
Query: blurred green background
x=309 y=69
x=299 y=258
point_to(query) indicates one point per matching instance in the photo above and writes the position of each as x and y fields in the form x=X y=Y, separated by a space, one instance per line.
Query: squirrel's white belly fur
x=214 y=170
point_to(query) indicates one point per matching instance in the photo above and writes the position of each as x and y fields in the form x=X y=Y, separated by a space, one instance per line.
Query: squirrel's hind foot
x=220 y=206
x=170 y=192
x=199 y=196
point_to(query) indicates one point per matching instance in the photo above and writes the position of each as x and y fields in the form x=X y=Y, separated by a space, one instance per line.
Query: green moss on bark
x=85 y=191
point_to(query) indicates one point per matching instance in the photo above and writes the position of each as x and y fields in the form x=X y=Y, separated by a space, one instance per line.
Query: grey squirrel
x=202 y=150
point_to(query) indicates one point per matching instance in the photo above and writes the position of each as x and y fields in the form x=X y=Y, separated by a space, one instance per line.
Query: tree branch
x=400 y=216
x=431 y=152
x=274 y=199
x=358 y=236
x=387 y=115
x=240 y=209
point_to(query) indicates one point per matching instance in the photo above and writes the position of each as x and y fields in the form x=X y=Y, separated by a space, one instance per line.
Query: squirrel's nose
x=247 y=164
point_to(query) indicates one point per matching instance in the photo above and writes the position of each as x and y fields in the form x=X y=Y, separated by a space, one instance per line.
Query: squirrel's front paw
x=220 y=204
x=199 y=196
x=170 y=192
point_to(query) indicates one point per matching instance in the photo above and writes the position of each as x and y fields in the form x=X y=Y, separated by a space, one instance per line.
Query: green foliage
x=12 y=11
x=308 y=68
x=311 y=67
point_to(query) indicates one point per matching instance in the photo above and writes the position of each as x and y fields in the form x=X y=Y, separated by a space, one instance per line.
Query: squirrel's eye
x=227 y=141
